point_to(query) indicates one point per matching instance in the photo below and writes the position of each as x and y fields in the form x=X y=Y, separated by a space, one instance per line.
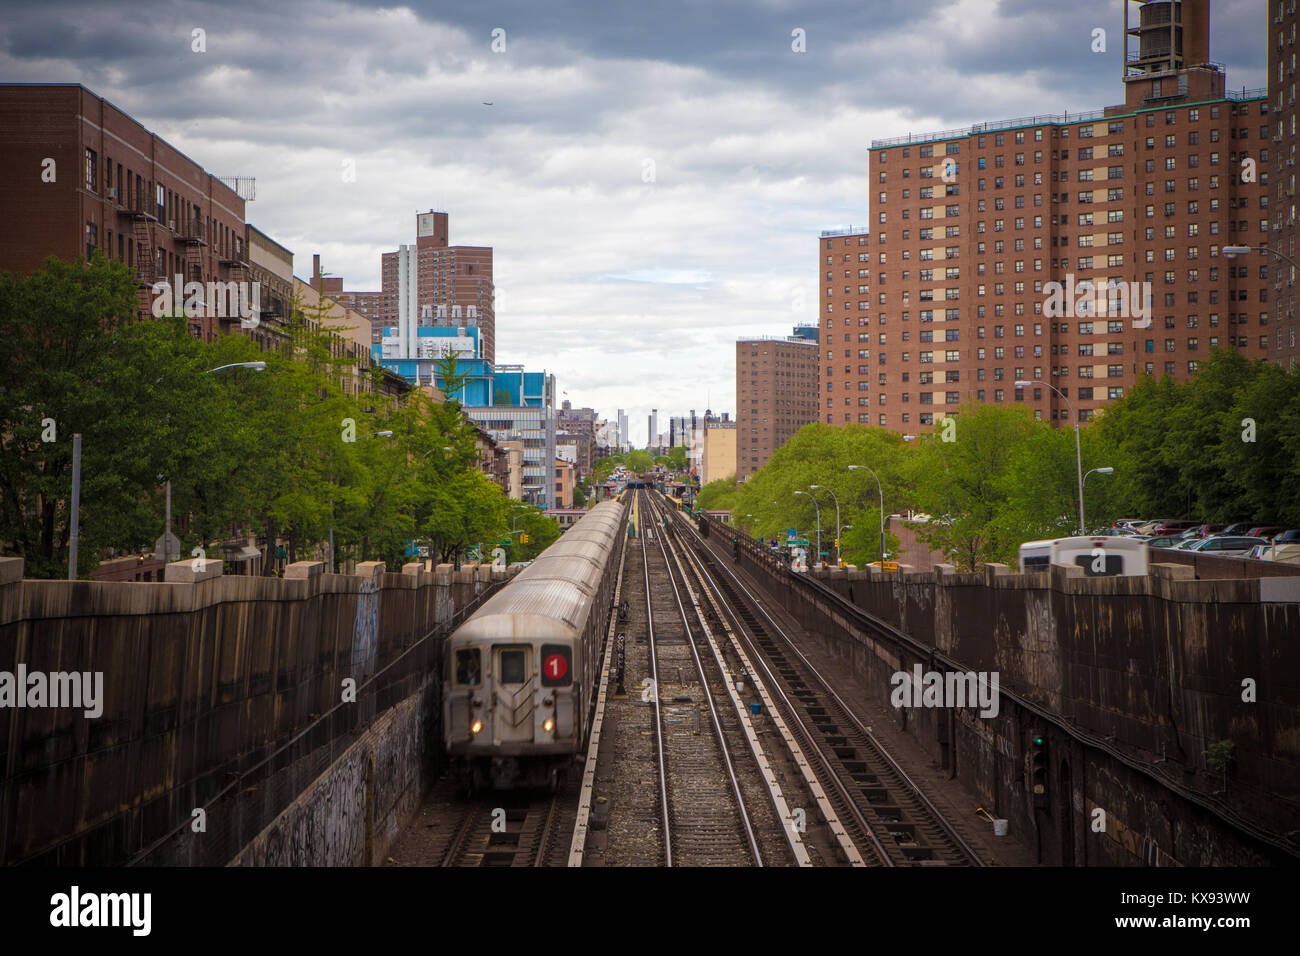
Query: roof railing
x=1040 y=120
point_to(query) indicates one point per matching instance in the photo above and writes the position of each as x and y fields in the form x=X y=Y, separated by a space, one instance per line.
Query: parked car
x=1240 y=527
x=1128 y=524
x=1290 y=536
x=1265 y=531
x=1188 y=544
x=1204 y=530
x=1148 y=528
x=1259 y=551
x=1163 y=541
x=1227 y=545
x=1175 y=526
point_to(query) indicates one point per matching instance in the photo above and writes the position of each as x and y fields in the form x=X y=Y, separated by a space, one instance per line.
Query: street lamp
x=255 y=366
x=819 y=523
x=880 y=489
x=1078 y=454
x=837 y=521
x=1100 y=471
x=1231 y=252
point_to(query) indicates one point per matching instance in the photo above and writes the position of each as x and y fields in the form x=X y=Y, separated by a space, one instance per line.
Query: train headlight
x=548 y=725
x=476 y=726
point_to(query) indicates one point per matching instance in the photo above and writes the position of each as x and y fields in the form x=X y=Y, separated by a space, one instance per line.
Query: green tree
x=65 y=361
x=638 y=461
x=964 y=484
x=542 y=533
x=820 y=454
x=718 y=495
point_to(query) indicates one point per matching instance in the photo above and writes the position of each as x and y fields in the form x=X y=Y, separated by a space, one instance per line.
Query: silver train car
x=520 y=675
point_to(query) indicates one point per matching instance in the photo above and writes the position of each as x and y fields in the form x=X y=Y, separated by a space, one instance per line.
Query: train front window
x=513 y=668
x=468 y=669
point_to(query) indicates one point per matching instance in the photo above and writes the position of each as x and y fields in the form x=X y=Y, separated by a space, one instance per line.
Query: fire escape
x=192 y=237
x=146 y=254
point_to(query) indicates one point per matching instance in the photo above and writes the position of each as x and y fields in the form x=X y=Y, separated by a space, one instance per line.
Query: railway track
x=508 y=829
x=882 y=808
x=705 y=819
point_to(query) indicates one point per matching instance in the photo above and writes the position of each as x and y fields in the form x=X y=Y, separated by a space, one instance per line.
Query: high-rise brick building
x=453 y=285
x=1282 y=236
x=776 y=395
x=951 y=299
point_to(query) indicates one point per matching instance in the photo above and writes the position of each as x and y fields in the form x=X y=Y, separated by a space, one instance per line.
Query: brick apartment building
x=776 y=395
x=945 y=299
x=1282 y=237
x=454 y=285
x=77 y=174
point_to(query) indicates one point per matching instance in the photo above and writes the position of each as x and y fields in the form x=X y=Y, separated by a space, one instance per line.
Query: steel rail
x=654 y=690
x=939 y=817
x=713 y=712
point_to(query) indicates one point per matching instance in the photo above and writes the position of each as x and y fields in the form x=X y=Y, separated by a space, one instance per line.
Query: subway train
x=520 y=675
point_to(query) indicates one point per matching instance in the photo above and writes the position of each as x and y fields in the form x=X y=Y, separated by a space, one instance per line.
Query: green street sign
x=504 y=544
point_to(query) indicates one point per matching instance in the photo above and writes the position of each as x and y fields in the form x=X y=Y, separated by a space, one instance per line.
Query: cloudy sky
x=653 y=175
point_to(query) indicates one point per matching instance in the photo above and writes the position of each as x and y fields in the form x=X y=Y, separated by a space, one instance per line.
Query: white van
x=1102 y=556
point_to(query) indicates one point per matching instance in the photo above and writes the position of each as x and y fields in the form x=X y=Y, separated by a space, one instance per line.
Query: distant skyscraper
x=653 y=424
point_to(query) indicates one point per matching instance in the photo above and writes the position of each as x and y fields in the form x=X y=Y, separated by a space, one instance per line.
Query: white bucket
x=1000 y=828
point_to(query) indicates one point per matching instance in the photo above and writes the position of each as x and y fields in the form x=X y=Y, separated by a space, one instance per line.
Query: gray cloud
x=632 y=292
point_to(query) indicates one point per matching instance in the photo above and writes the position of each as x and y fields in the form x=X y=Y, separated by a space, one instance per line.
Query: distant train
x=521 y=673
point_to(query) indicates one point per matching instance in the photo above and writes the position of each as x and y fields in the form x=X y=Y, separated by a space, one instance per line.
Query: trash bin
x=755 y=707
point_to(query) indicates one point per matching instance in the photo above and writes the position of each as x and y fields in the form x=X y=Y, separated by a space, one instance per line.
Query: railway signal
x=1038 y=767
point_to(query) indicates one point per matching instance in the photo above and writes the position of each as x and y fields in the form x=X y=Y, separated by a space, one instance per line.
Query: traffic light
x=523 y=539
x=1038 y=767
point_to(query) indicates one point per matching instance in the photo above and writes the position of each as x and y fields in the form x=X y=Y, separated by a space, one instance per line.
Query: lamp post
x=255 y=366
x=1099 y=471
x=819 y=522
x=879 y=488
x=1078 y=454
x=1231 y=252
x=837 y=520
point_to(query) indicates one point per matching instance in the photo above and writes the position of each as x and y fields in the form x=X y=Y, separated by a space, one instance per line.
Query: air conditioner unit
x=112 y=193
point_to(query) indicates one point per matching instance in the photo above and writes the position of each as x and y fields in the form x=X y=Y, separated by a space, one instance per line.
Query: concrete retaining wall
x=1130 y=679
x=205 y=680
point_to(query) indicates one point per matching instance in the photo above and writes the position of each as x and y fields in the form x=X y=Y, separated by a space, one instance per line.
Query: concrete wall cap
x=308 y=570
x=11 y=570
x=1282 y=590
x=192 y=570
x=1176 y=572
